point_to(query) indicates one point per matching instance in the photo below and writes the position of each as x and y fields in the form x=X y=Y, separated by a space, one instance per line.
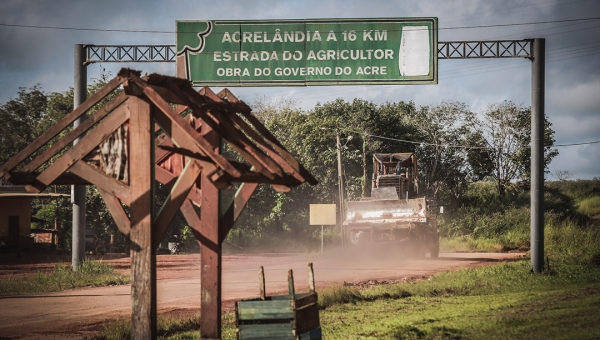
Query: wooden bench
x=291 y=316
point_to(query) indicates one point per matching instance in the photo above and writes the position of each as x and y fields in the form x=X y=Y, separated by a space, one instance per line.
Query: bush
x=589 y=206
x=338 y=294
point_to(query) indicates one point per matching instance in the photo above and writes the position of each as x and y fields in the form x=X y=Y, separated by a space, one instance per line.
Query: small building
x=15 y=215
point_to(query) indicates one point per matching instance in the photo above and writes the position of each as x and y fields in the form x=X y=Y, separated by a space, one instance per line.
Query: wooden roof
x=265 y=159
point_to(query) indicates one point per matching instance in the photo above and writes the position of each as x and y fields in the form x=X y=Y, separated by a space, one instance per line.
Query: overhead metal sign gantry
x=533 y=49
x=308 y=52
x=446 y=50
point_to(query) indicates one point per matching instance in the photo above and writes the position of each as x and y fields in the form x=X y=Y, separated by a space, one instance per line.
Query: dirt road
x=74 y=313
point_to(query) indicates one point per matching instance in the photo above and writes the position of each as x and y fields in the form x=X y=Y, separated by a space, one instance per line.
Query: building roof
x=18 y=191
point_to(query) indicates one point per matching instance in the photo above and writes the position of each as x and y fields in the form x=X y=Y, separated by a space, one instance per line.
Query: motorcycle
x=175 y=246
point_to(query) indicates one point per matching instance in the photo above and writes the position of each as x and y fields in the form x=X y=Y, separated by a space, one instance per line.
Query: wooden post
x=261 y=282
x=143 y=255
x=210 y=276
x=311 y=278
x=291 y=285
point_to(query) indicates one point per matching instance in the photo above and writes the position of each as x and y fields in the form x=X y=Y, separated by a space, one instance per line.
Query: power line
x=413 y=142
x=574 y=144
x=453 y=146
x=172 y=32
x=518 y=24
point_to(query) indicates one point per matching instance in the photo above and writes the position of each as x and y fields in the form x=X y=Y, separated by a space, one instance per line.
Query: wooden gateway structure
x=143 y=135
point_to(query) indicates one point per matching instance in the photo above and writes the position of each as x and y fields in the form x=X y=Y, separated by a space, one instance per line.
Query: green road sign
x=308 y=52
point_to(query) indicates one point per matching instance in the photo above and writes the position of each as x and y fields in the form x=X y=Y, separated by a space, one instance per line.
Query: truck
x=395 y=213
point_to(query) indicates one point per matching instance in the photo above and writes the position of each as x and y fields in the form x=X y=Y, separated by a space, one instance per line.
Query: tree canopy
x=454 y=147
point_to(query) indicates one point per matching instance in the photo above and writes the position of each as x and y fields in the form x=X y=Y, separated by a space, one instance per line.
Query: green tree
x=20 y=120
x=444 y=144
x=505 y=130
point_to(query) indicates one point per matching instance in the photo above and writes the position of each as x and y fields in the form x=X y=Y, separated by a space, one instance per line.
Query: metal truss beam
x=129 y=53
x=446 y=50
x=485 y=49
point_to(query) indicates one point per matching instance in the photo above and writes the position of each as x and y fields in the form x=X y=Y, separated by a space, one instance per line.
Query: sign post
x=322 y=214
x=308 y=52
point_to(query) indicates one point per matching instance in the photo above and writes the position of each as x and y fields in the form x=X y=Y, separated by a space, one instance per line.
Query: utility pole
x=340 y=184
x=364 y=186
x=537 y=154
x=78 y=191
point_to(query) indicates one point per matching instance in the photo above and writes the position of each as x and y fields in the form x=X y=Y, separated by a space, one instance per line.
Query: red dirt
x=76 y=313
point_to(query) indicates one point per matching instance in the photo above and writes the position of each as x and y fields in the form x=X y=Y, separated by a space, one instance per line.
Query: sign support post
x=537 y=155
x=78 y=194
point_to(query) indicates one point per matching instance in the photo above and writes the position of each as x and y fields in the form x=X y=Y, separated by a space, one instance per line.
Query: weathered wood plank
x=280 y=148
x=83 y=147
x=306 y=300
x=179 y=192
x=261 y=283
x=76 y=132
x=265 y=310
x=311 y=277
x=61 y=125
x=266 y=147
x=210 y=275
x=116 y=211
x=164 y=176
x=175 y=120
x=238 y=141
x=28 y=178
x=279 y=331
x=101 y=180
x=241 y=198
x=143 y=256
x=189 y=213
x=253 y=177
x=307 y=318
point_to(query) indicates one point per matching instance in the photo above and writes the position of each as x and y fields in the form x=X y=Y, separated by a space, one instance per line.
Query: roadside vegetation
x=500 y=301
x=90 y=273
x=496 y=301
x=476 y=165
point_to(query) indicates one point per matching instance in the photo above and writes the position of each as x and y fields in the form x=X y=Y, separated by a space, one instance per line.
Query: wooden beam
x=210 y=274
x=234 y=105
x=143 y=254
x=101 y=180
x=28 y=178
x=82 y=148
x=177 y=121
x=61 y=125
x=252 y=177
x=221 y=124
x=76 y=132
x=165 y=177
x=185 y=136
x=179 y=193
x=266 y=147
x=191 y=217
x=189 y=213
x=117 y=212
x=235 y=208
x=280 y=148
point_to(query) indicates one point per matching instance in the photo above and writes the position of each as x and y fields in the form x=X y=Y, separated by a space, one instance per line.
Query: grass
x=589 y=206
x=90 y=273
x=502 y=301
x=493 y=302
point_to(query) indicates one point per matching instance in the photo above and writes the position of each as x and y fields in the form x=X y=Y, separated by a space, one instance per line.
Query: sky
x=44 y=56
